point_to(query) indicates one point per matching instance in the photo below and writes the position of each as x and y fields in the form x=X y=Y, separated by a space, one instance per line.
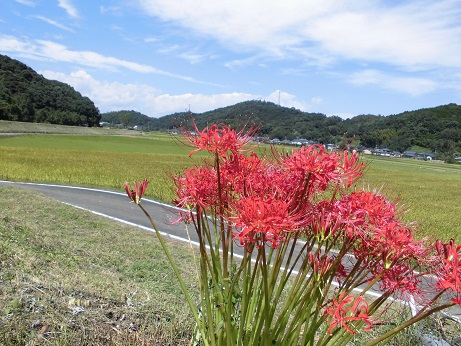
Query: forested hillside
x=130 y=119
x=435 y=129
x=27 y=96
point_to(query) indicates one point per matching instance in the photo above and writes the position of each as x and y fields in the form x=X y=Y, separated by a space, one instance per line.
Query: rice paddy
x=430 y=191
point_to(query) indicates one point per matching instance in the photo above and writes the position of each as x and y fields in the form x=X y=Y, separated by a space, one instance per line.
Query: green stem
x=247 y=266
x=266 y=297
x=176 y=271
x=223 y=231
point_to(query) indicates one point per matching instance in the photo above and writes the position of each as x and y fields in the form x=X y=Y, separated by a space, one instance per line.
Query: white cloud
x=108 y=95
x=26 y=3
x=12 y=44
x=113 y=10
x=69 y=8
x=239 y=63
x=111 y=96
x=316 y=100
x=415 y=36
x=192 y=58
x=151 y=39
x=412 y=34
x=57 y=51
x=41 y=49
x=413 y=86
x=286 y=100
x=54 y=23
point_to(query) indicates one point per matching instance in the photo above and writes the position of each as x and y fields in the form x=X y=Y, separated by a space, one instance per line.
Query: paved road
x=116 y=205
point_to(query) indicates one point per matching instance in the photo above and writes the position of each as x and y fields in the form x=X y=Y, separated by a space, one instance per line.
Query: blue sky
x=336 y=57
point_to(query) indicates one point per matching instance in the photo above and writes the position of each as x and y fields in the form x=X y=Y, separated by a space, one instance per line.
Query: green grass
x=69 y=277
x=147 y=144
x=428 y=191
x=436 y=328
x=95 y=161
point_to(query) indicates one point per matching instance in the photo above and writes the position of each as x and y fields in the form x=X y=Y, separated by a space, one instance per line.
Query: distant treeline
x=27 y=96
x=436 y=129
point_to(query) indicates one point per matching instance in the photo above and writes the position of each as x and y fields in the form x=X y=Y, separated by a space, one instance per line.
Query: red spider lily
x=243 y=173
x=198 y=187
x=262 y=220
x=187 y=217
x=392 y=243
x=341 y=273
x=449 y=272
x=346 y=309
x=138 y=191
x=351 y=168
x=219 y=139
x=363 y=209
x=400 y=280
x=259 y=202
x=315 y=163
x=326 y=221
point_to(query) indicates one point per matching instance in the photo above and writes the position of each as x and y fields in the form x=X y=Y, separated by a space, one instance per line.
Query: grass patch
x=72 y=278
x=431 y=331
x=12 y=127
x=429 y=191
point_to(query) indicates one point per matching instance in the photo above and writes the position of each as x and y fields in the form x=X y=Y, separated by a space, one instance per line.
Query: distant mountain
x=435 y=129
x=27 y=96
x=272 y=120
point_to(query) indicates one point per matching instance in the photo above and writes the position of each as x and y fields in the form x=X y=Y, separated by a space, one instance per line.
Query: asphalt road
x=114 y=205
x=117 y=206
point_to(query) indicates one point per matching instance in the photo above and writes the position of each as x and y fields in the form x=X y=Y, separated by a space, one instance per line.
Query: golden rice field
x=95 y=161
x=430 y=191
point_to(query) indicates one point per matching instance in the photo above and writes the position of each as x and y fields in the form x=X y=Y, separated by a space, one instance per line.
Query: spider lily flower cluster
x=313 y=246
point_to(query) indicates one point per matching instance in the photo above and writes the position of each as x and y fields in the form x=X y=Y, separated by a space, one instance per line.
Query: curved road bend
x=113 y=205
x=116 y=206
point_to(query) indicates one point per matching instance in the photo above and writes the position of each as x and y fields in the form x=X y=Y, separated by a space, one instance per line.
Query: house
x=382 y=152
x=409 y=154
x=426 y=156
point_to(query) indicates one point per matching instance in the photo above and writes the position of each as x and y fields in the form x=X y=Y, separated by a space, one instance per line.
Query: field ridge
x=17 y=127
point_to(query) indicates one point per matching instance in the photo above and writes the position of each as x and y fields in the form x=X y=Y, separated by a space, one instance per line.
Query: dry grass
x=23 y=127
x=68 y=277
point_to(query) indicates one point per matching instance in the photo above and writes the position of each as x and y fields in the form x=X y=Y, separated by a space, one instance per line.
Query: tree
x=125 y=118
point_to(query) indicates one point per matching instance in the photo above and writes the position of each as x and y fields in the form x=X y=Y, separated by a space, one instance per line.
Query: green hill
x=29 y=97
x=435 y=129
